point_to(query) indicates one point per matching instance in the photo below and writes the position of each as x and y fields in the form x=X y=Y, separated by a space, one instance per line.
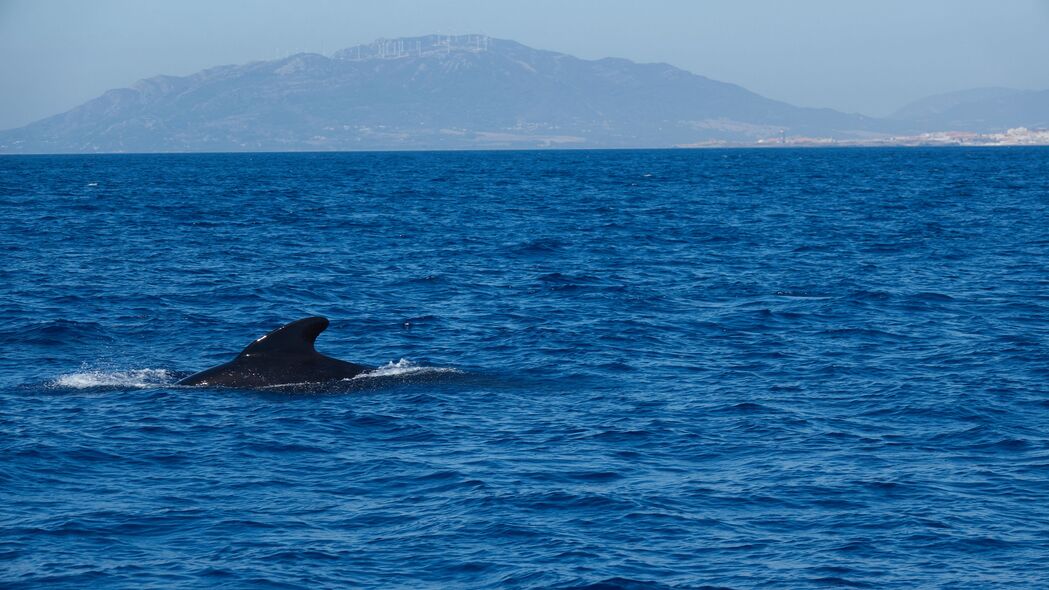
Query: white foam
x=403 y=367
x=134 y=378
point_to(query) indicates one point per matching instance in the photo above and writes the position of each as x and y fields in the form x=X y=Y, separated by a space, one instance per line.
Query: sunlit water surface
x=653 y=369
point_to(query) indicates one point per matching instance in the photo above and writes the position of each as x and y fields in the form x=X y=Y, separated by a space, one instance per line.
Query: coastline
x=1018 y=136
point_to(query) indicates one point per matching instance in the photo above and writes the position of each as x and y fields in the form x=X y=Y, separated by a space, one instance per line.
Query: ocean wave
x=402 y=368
x=132 y=378
x=146 y=378
x=653 y=387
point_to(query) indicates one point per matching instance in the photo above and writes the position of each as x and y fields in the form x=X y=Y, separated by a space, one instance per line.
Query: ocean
x=594 y=369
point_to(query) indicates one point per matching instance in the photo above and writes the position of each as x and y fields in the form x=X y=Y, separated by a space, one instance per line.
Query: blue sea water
x=615 y=369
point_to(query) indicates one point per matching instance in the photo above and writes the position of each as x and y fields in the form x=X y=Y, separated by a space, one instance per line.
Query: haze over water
x=678 y=369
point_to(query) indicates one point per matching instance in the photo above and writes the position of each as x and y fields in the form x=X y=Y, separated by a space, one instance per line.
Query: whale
x=285 y=356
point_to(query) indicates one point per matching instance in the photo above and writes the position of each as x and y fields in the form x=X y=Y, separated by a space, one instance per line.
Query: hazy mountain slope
x=980 y=109
x=423 y=93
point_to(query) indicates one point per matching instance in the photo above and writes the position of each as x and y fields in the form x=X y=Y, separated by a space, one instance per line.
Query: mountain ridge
x=986 y=109
x=430 y=92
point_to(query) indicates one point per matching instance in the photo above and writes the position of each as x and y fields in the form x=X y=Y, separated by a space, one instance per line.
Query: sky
x=866 y=56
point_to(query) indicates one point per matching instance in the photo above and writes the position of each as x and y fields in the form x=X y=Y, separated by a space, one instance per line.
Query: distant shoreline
x=1019 y=136
x=734 y=147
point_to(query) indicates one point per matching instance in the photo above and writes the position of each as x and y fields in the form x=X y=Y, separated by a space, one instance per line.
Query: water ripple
x=628 y=370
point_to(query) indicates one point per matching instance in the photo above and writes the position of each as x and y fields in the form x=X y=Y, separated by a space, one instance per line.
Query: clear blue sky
x=863 y=56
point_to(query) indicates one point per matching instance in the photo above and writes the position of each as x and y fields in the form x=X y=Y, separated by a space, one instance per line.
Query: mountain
x=432 y=92
x=982 y=110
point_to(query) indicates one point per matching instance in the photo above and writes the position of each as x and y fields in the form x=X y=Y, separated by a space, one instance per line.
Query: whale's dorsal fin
x=295 y=338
